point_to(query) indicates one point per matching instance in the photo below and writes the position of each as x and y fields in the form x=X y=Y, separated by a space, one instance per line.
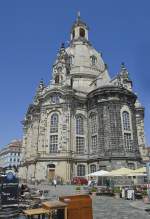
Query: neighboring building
x=10 y=155
x=146 y=154
x=83 y=120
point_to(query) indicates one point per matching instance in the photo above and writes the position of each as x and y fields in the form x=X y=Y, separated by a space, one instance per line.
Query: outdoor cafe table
x=30 y=213
x=56 y=205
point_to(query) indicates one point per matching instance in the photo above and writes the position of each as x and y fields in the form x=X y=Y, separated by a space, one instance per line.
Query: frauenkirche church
x=83 y=121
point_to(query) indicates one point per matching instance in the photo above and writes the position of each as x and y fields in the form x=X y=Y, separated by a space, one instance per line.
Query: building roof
x=14 y=146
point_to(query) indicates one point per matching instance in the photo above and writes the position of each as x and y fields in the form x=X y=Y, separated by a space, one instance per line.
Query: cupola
x=79 y=29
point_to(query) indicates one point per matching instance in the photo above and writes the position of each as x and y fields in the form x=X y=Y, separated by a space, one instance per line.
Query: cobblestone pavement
x=111 y=208
x=103 y=207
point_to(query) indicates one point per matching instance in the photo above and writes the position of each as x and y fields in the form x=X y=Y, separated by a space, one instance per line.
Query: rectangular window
x=94 y=142
x=128 y=141
x=94 y=128
x=53 y=143
x=80 y=145
x=79 y=126
x=131 y=166
x=92 y=168
x=79 y=130
x=126 y=126
x=53 y=128
x=81 y=170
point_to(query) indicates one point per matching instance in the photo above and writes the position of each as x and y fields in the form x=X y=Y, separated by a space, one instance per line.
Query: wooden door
x=51 y=174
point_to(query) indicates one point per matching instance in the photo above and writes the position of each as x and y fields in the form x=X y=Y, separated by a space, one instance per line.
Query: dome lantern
x=79 y=29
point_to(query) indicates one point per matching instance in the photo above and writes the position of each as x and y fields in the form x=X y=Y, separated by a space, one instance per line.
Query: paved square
x=103 y=207
x=110 y=208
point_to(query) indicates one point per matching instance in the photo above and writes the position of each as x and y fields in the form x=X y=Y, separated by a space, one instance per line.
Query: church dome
x=84 y=58
x=80 y=65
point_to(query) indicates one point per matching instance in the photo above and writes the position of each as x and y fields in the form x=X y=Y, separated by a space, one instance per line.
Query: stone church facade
x=83 y=120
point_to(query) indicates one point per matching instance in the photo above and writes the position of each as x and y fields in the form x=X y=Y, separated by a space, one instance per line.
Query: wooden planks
x=54 y=204
x=37 y=211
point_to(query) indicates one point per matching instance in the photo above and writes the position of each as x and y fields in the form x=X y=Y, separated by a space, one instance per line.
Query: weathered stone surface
x=81 y=87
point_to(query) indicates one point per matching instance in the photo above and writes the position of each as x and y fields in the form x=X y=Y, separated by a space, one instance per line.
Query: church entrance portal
x=51 y=171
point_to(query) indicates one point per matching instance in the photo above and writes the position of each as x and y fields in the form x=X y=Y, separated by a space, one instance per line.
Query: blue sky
x=31 y=32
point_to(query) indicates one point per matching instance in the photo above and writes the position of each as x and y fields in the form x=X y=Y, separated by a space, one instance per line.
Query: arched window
x=126 y=121
x=81 y=170
x=94 y=143
x=79 y=125
x=51 y=166
x=55 y=98
x=80 y=138
x=54 y=123
x=57 y=79
x=82 y=32
x=73 y=34
x=59 y=69
x=93 y=131
x=127 y=132
x=92 y=168
x=71 y=59
x=54 y=133
x=93 y=120
x=93 y=60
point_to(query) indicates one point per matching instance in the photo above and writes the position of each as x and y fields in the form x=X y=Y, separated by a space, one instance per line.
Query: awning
x=120 y=172
x=140 y=170
x=98 y=173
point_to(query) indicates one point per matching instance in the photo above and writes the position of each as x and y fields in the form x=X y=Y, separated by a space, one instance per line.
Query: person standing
x=55 y=182
x=89 y=182
x=123 y=193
